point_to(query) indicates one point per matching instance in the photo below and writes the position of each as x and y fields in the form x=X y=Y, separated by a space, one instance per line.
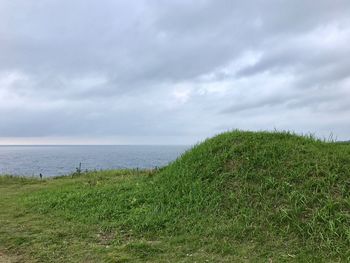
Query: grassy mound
x=268 y=185
x=238 y=196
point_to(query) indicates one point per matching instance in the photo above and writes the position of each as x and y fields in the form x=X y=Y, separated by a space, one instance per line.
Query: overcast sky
x=171 y=72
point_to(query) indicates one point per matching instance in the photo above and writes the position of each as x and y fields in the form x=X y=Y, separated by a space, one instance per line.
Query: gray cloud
x=173 y=68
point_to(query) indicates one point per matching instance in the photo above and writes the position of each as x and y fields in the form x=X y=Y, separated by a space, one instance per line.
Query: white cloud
x=117 y=71
x=181 y=94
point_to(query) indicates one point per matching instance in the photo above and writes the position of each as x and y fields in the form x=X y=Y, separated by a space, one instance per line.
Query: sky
x=171 y=72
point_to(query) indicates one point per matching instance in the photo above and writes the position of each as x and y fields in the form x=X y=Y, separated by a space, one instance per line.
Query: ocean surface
x=62 y=160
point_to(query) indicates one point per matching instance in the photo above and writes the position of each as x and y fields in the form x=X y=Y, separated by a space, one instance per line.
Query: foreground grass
x=239 y=197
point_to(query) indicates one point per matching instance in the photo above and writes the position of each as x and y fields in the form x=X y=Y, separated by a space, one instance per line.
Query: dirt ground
x=8 y=259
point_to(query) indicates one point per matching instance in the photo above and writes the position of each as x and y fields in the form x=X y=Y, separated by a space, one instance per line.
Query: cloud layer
x=171 y=71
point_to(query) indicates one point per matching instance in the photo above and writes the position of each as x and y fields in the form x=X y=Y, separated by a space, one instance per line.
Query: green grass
x=238 y=197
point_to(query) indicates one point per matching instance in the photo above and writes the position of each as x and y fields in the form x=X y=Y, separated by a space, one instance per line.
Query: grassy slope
x=239 y=196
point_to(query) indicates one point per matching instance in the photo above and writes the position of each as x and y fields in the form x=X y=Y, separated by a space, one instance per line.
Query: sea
x=64 y=160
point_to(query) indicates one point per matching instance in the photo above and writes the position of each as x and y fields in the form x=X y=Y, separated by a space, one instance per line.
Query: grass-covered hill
x=238 y=197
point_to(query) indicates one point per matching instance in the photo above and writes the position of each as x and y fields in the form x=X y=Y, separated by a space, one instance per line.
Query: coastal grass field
x=237 y=197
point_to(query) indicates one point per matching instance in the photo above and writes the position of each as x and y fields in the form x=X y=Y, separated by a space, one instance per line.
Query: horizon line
x=1 y=145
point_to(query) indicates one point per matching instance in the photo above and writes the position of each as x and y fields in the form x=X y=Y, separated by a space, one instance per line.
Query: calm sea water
x=61 y=160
